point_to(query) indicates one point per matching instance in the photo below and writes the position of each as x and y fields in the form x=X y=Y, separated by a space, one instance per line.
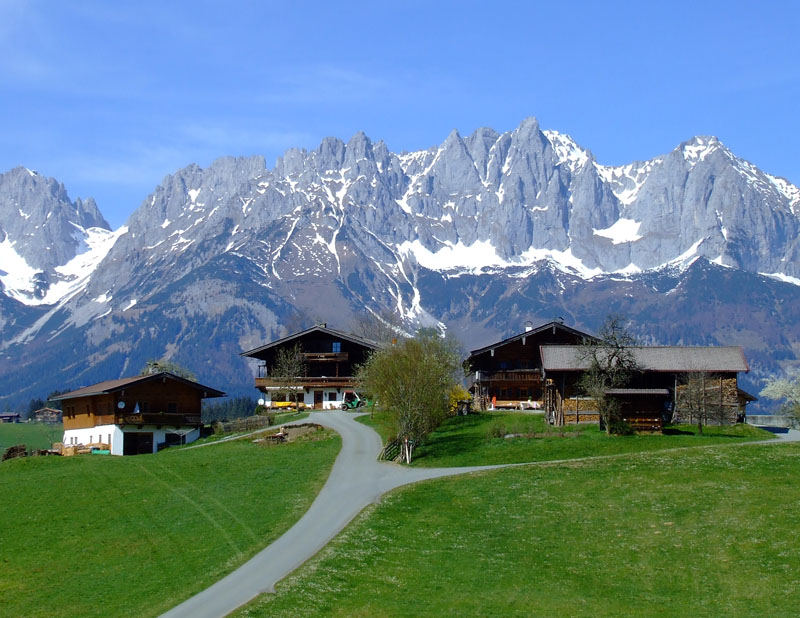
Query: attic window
x=337 y=347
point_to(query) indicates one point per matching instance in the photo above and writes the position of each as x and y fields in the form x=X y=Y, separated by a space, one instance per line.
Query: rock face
x=479 y=233
x=41 y=231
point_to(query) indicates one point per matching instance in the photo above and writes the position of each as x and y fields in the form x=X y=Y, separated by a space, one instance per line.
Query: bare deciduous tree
x=611 y=365
x=288 y=366
x=157 y=366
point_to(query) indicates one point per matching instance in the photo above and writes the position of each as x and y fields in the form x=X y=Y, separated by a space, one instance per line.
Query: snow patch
x=193 y=193
x=18 y=277
x=782 y=277
x=482 y=254
x=624 y=230
x=130 y=304
x=15 y=273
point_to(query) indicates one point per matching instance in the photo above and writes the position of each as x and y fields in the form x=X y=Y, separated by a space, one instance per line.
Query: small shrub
x=621 y=428
x=498 y=430
x=457 y=393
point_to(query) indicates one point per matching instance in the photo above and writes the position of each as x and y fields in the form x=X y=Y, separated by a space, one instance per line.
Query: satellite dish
x=261 y=402
x=121 y=405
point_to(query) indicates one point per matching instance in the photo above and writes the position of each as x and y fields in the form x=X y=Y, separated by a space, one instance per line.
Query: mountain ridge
x=244 y=252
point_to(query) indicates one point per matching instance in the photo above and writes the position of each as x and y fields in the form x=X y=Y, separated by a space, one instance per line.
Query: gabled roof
x=321 y=328
x=112 y=386
x=534 y=331
x=656 y=358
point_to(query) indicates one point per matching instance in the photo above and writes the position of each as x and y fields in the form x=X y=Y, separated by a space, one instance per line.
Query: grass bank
x=133 y=536
x=705 y=532
x=32 y=435
x=480 y=439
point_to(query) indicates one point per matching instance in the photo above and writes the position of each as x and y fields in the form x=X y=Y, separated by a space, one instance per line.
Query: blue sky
x=109 y=97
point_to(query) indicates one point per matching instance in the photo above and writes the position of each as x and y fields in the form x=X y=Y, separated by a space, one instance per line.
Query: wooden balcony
x=325 y=357
x=160 y=418
x=508 y=375
x=308 y=382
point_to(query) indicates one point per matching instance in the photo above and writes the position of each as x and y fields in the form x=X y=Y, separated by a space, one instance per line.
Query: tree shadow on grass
x=448 y=446
x=671 y=431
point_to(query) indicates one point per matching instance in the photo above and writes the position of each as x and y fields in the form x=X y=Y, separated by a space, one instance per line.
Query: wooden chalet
x=657 y=392
x=508 y=374
x=329 y=360
x=51 y=416
x=131 y=416
x=10 y=417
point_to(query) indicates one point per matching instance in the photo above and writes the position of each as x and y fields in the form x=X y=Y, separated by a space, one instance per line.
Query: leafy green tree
x=412 y=381
x=612 y=364
x=157 y=366
x=787 y=391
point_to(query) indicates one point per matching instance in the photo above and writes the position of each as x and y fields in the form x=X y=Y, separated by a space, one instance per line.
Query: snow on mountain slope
x=23 y=283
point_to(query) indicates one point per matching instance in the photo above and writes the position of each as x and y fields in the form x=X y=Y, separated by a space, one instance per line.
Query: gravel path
x=356 y=480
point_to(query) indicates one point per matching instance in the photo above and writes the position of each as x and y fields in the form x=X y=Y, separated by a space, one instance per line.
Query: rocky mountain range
x=478 y=235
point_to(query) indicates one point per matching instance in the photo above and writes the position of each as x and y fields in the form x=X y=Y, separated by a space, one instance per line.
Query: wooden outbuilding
x=665 y=384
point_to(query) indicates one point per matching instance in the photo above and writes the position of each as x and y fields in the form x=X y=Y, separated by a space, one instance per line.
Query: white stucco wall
x=102 y=433
x=308 y=398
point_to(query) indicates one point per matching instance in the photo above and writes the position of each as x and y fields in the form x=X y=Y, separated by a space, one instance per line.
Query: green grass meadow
x=701 y=532
x=32 y=435
x=478 y=439
x=133 y=536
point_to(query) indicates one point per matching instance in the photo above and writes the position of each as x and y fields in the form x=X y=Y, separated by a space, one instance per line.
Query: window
x=337 y=347
x=331 y=396
x=172 y=408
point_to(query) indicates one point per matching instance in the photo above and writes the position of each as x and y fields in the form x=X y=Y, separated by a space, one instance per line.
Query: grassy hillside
x=694 y=532
x=33 y=435
x=133 y=536
x=479 y=439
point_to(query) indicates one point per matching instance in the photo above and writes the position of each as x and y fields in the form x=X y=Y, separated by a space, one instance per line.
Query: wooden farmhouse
x=325 y=371
x=671 y=384
x=508 y=374
x=51 y=416
x=131 y=416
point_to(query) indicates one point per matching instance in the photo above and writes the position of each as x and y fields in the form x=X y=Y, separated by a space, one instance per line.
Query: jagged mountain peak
x=470 y=231
x=700 y=147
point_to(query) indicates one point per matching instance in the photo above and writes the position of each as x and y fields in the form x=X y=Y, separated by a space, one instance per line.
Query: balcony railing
x=308 y=382
x=160 y=418
x=322 y=357
x=508 y=375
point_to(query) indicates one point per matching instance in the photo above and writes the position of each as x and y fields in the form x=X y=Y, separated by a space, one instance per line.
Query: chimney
x=528 y=326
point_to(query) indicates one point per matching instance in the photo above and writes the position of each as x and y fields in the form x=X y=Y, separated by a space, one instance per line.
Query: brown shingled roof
x=110 y=386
